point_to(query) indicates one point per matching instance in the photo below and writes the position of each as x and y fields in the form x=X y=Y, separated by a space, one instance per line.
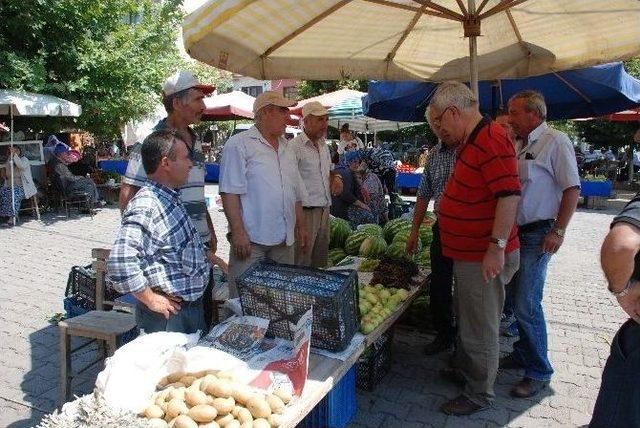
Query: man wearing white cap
x=314 y=163
x=261 y=190
x=182 y=96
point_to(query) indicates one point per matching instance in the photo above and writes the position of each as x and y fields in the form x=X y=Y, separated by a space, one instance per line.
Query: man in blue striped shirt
x=158 y=254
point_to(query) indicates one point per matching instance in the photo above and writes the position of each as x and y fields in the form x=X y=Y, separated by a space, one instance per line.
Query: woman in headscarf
x=23 y=186
x=350 y=203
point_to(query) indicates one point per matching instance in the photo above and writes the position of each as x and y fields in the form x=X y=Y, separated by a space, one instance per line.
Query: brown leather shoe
x=454 y=376
x=461 y=406
x=510 y=363
x=528 y=387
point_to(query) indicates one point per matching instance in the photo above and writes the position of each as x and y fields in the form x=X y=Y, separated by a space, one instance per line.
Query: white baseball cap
x=271 y=98
x=184 y=80
x=314 y=108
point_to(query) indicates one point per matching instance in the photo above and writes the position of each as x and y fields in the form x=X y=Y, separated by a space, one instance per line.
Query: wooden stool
x=101 y=326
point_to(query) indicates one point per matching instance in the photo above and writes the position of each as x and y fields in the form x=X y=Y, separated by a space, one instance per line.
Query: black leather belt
x=310 y=208
x=535 y=225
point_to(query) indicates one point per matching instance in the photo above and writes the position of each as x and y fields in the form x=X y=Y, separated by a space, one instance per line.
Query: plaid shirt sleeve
x=425 y=190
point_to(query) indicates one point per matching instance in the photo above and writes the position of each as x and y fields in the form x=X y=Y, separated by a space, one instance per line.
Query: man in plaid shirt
x=158 y=255
x=437 y=171
x=381 y=161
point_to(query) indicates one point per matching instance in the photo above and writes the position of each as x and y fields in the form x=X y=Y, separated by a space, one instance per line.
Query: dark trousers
x=388 y=179
x=618 y=403
x=189 y=319
x=207 y=302
x=440 y=295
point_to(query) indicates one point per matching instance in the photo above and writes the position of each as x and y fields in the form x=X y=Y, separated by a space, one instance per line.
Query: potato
x=247 y=424
x=213 y=372
x=193 y=398
x=200 y=374
x=165 y=393
x=244 y=415
x=196 y=384
x=261 y=423
x=176 y=407
x=223 y=420
x=178 y=393
x=163 y=382
x=164 y=406
x=177 y=385
x=184 y=421
x=223 y=374
x=221 y=388
x=156 y=423
x=175 y=377
x=275 y=420
x=224 y=405
x=153 y=412
x=203 y=413
x=212 y=424
x=258 y=407
x=241 y=393
x=205 y=381
x=276 y=404
x=232 y=424
x=187 y=380
x=283 y=395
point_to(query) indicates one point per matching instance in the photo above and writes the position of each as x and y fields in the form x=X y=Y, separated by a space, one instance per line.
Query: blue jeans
x=618 y=403
x=189 y=319
x=531 y=348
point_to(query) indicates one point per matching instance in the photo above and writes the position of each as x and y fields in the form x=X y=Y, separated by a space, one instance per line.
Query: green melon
x=371 y=229
x=397 y=250
x=339 y=231
x=425 y=235
x=336 y=255
x=373 y=247
x=423 y=258
x=353 y=242
x=393 y=226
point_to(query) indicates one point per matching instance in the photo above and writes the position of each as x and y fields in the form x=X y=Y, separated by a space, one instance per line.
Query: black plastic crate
x=375 y=362
x=283 y=293
x=81 y=284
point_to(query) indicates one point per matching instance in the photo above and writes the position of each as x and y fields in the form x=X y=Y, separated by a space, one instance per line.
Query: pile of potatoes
x=212 y=399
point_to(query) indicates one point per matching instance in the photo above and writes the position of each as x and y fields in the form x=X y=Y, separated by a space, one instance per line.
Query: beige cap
x=314 y=108
x=184 y=80
x=271 y=98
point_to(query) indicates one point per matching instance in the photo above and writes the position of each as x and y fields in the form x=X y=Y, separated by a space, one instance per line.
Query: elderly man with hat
x=314 y=163
x=261 y=190
x=182 y=96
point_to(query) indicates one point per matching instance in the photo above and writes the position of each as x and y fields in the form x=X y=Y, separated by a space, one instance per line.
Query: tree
x=311 y=88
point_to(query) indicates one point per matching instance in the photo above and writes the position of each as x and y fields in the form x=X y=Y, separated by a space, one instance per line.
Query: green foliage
x=311 y=88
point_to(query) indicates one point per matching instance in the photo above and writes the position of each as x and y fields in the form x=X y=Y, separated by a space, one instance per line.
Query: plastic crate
x=337 y=408
x=73 y=306
x=81 y=284
x=283 y=293
x=375 y=362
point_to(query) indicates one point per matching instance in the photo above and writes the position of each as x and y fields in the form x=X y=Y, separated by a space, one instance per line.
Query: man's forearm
x=300 y=223
x=127 y=191
x=232 y=210
x=505 y=216
x=419 y=211
x=210 y=225
x=568 y=205
x=617 y=255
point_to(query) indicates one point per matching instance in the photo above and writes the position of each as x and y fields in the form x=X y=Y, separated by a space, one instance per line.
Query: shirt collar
x=254 y=133
x=537 y=132
x=163 y=190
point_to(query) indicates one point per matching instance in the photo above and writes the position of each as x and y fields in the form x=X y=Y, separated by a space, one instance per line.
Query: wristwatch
x=500 y=243
x=558 y=231
x=626 y=290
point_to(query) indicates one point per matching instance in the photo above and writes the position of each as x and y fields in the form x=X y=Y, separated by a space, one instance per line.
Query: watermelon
x=336 y=255
x=373 y=247
x=397 y=250
x=353 y=242
x=425 y=235
x=402 y=237
x=339 y=231
x=423 y=258
x=393 y=226
x=371 y=229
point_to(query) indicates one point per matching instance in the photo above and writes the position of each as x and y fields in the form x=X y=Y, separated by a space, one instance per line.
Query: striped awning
x=350 y=111
x=410 y=39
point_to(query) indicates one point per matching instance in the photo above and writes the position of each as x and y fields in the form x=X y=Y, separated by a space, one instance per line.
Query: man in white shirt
x=314 y=163
x=550 y=190
x=348 y=141
x=261 y=190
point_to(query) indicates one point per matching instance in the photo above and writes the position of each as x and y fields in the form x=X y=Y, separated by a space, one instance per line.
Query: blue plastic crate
x=337 y=408
x=73 y=306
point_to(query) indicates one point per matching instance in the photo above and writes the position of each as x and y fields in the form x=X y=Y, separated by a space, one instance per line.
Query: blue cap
x=352 y=156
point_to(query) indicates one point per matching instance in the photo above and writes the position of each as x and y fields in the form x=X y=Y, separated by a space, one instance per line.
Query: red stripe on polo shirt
x=486 y=170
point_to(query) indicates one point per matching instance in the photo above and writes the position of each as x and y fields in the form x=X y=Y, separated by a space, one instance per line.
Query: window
x=254 y=91
x=290 y=92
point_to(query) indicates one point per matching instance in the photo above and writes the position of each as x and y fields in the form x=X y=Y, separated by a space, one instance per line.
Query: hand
x=217 y=261
x=336 y=185
x=213 y=244
x=161 y=303
x=412 y=241
x=552 y=243
x=365 y=196
x=303 y=238
x=631 y=303
x=240 y=244
x=492 y=263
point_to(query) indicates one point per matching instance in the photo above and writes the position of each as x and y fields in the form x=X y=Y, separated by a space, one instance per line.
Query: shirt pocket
x=531 y=169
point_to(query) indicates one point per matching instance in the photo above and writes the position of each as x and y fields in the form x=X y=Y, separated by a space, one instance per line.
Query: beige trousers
x=278 y=253
x=317 y=221
x=478 y=308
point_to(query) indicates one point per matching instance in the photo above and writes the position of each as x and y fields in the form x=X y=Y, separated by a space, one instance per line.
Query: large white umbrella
x=18 y=103
x=411 y=39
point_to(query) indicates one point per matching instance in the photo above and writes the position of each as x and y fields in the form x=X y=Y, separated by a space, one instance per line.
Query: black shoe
x=510 y=363
x=438 y=345
x=454 y=376
x=528 y=387
x=461 y=406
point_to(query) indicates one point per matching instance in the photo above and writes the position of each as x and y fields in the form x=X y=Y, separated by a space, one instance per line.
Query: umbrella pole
x=13 y=195
x=472 y=30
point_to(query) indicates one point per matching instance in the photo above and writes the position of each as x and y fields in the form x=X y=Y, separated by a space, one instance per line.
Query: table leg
x=65 y=365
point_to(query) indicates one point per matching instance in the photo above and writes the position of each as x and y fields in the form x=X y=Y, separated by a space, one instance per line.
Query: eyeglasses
x=437 y=121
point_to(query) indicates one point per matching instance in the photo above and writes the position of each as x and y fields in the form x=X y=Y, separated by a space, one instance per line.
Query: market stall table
x=408 y=180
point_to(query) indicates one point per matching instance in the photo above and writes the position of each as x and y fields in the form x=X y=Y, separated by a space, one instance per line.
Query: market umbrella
x=350 y=111
x=231 y=106
x=18 y=103
x=585 y=92
x=410 y=40
x=624 y=116
x=329 y=99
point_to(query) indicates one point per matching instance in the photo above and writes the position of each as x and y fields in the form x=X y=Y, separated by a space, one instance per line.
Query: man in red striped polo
x=476 y=216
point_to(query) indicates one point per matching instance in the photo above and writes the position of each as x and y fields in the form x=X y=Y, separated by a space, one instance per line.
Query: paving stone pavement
x=582 y=319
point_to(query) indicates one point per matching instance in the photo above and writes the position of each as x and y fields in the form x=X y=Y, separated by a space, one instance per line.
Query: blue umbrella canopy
x=350 y=111
x=586 y=92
